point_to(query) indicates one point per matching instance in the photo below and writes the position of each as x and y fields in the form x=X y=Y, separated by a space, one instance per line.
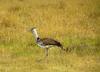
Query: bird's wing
x=49 y=41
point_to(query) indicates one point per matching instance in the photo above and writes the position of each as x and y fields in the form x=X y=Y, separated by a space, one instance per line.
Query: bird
x=46 y=43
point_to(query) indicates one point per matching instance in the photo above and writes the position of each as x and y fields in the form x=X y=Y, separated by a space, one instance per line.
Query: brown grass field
x=75 y=23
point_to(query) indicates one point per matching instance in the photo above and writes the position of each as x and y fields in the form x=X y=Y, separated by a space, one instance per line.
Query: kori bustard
x=45 y=43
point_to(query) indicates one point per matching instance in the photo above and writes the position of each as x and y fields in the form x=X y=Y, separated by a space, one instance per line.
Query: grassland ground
x=75 y=23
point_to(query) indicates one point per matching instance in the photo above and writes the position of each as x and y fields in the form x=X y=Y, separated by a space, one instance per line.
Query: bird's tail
x=62 y=48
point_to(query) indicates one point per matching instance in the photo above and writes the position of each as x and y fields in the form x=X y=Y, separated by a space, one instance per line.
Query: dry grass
x=74 y=23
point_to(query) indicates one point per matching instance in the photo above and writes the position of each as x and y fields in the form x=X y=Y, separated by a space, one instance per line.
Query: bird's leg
x=46 y=52
x=46 y=55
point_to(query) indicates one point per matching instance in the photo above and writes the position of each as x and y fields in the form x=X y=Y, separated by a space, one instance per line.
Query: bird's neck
x=35 y=34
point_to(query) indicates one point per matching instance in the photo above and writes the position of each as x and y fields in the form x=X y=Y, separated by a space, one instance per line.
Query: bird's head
x=33 y=29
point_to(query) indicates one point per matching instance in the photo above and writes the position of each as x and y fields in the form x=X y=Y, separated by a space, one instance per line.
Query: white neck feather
x=35 y=33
